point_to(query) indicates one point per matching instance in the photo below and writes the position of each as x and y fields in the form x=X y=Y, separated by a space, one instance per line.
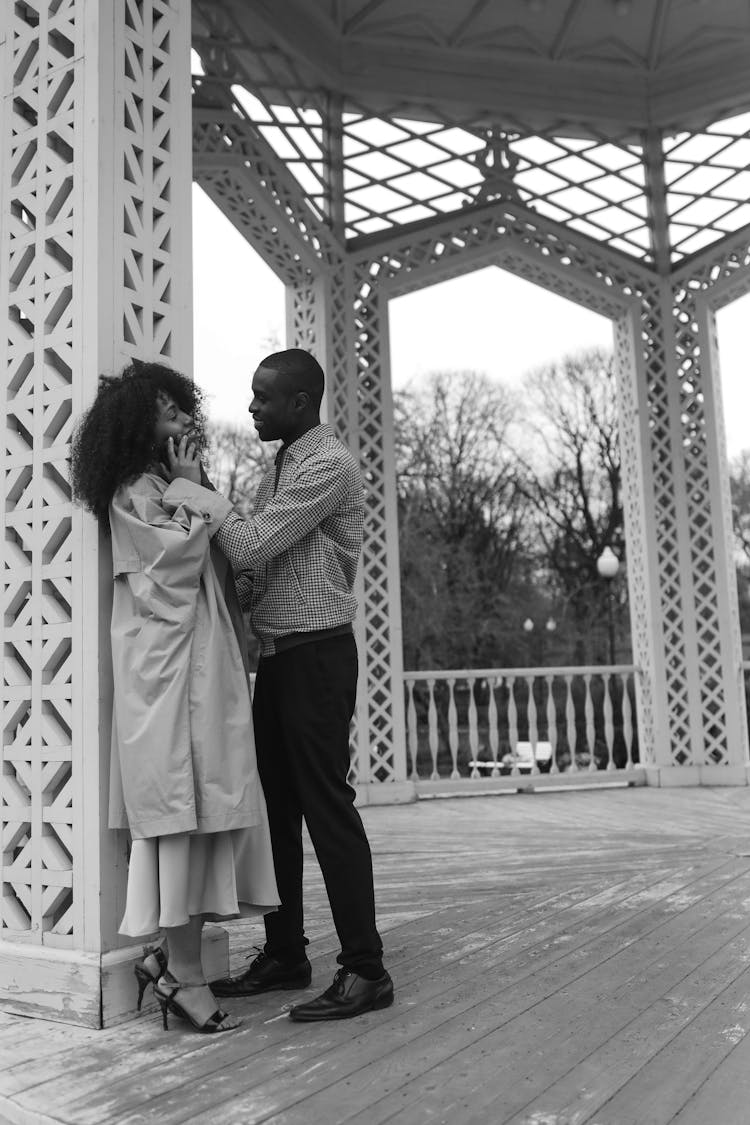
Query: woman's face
x=171 y=421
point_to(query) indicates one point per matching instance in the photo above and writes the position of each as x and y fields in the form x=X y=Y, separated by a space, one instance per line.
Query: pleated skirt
x=218 y=875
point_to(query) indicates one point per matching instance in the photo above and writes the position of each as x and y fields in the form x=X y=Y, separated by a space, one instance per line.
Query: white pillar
x=95 y=268
x=686 y=638
x=322 y=316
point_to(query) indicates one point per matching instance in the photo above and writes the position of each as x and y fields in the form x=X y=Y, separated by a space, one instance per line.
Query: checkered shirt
x=295 y=559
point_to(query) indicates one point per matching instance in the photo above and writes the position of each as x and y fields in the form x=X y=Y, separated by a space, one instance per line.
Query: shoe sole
x=381 y=1002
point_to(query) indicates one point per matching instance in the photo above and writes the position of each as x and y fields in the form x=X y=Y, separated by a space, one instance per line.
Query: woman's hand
x=182 y=461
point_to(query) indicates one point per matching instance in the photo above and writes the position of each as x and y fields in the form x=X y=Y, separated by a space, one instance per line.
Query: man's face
x=273 y=405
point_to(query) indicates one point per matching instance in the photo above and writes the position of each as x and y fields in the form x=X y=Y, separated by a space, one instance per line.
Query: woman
x=183 y=777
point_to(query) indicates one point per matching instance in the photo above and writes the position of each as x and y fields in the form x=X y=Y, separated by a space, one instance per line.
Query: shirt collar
x=303 y=446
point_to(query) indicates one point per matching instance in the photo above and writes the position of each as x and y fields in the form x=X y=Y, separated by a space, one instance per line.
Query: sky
x=488 y=321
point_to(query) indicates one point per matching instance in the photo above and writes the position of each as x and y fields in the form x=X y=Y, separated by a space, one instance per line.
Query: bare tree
x=739 y=479
x=461 y=518
x=574 y=476
x=238 y=461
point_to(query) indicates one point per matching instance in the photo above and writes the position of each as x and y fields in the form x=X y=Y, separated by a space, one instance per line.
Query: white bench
x=523 y=758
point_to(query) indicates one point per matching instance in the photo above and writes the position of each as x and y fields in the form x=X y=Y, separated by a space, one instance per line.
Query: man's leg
x=283 y=963
x=285 y=940
x=321 y=680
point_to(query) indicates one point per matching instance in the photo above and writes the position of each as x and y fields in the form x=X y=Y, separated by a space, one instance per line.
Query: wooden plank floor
x=558 y=959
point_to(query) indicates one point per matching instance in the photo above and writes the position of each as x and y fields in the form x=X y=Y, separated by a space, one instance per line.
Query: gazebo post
x=95 y=268
x=323 y=315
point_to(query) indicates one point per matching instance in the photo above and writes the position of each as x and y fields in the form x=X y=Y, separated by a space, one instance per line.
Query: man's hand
x=182 y=461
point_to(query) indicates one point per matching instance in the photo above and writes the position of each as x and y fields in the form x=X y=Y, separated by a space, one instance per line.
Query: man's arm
x=287 y=518
x=243 y=582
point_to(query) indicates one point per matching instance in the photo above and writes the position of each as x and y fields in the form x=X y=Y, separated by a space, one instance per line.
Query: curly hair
x=114 y=440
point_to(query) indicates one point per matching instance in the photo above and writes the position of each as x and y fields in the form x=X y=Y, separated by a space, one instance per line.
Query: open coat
x=183 y=756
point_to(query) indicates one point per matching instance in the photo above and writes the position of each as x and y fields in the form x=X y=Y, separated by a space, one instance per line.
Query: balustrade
x=521 y=722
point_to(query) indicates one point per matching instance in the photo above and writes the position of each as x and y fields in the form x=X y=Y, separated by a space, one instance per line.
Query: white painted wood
x=55 y=984
x=728 y=694
x=609 y=730
x=411 y=728
x=536 y=62
x=395 y=793
x=613 y=962
x=100 y=161
x=86 y=988
x=432 y=728
x=452 y=727
x=567 y=718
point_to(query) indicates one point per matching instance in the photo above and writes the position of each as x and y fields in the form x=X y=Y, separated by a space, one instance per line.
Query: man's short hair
x=301 y=368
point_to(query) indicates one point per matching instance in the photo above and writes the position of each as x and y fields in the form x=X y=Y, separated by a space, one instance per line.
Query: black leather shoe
x=265 y=974
x=348 y=996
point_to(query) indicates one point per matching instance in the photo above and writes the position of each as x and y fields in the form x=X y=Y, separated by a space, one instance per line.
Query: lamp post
x=528 y=628
x=608 y=565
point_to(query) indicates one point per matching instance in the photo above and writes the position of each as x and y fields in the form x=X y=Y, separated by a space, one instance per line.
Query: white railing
x=516 y=726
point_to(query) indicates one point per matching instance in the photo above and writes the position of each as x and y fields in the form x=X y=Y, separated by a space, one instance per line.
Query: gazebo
x=365 y=148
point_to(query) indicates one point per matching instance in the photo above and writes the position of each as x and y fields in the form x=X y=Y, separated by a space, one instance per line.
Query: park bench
x=523 y=759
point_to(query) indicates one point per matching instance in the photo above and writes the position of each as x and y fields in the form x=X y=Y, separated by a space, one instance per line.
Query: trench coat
x=183 y=755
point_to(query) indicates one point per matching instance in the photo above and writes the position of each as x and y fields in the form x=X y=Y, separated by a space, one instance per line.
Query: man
x=295 y=561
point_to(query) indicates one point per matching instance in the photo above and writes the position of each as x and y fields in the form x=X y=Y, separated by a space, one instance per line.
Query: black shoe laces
x=339 y=981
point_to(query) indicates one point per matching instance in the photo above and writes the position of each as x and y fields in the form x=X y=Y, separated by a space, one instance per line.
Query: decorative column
x=701 y=712
x=685 y=623
x=325 y=316
x=95 y=268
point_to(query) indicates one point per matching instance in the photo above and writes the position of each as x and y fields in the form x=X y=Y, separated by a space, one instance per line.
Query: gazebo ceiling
x=624 y=64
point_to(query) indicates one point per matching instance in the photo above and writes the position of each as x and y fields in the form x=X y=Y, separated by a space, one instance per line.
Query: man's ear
x=302 y=400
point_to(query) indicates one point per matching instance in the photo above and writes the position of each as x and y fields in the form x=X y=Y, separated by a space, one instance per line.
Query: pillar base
x=386 y=793
x=88 y=989
x=675 y=777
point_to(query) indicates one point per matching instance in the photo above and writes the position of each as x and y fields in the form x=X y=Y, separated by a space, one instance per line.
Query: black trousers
x=303 y=703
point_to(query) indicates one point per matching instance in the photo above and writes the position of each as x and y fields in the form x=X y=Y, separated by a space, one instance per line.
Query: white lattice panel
x=60 y=281
x=151 y=75
x=407 y=162
x=317 y=320
x=708 y=183
x=40 y=135
x=285 y=107
x=394 y=166
x=635 y=485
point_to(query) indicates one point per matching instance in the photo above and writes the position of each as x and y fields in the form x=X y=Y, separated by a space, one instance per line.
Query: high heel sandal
x=167 y=1002
x=152 y=965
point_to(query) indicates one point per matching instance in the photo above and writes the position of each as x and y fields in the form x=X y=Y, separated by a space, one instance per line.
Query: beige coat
x=182 y=739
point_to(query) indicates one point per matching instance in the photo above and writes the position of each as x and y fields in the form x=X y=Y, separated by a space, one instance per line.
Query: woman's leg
x=186 y=968
x=184 y=945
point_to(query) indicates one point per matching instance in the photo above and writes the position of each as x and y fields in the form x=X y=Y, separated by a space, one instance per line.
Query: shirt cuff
x=212 y=507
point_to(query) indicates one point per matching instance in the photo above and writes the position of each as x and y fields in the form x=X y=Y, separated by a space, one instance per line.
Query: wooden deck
x=558 y=959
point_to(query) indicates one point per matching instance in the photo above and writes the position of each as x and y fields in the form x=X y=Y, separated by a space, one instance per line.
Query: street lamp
x=608 y=565
x=528 y=627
